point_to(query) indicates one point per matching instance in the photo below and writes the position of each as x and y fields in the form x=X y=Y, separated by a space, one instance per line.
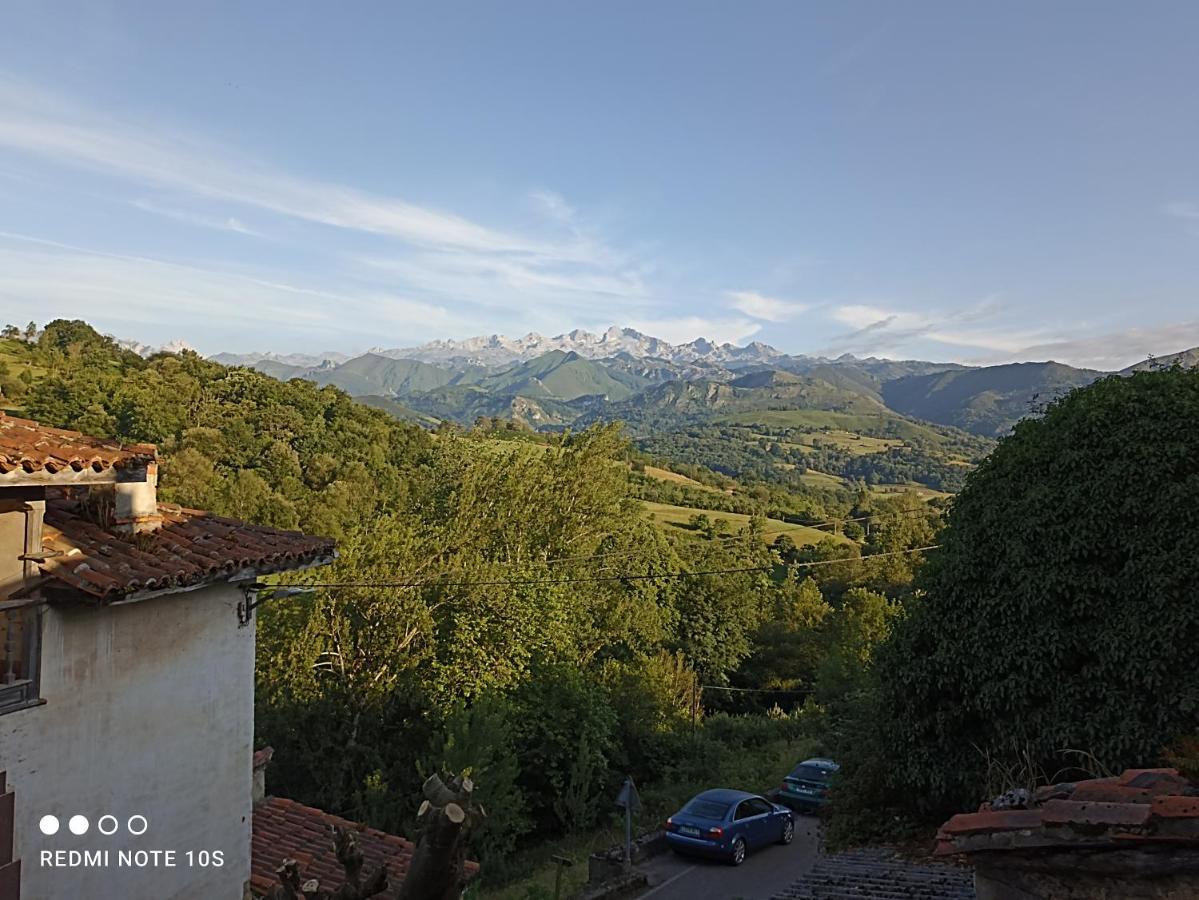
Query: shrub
x=1060 y=611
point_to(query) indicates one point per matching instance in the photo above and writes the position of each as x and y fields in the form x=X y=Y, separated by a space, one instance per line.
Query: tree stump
x=355 y=887
x=438 y=870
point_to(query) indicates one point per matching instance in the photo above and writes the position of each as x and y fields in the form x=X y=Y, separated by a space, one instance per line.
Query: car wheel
x=738 y=851
x=788 y=831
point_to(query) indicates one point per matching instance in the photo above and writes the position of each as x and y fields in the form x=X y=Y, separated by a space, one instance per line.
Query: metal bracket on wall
x=254 y=598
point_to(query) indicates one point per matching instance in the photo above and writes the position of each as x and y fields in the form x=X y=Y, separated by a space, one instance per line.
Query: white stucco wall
x=149 y=710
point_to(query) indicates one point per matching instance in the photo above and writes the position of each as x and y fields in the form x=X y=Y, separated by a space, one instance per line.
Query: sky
x=971 y=182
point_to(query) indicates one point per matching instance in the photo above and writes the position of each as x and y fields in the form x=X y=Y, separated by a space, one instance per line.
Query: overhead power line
x=629 y=576
x=743 y=690
x=816 y=526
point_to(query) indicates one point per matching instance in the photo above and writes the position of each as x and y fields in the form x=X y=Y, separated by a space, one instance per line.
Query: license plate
x=687 y=829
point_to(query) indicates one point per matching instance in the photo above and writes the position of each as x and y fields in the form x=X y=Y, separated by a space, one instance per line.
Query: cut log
x=438 y=866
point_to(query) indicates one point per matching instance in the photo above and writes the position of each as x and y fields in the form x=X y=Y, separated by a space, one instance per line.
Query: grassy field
x=858 y=444
x=676 y=478
x=14 y=355
x=821 y=479
x=851 y=441
x=853 y=423
x=668 y=516
x=911 y=487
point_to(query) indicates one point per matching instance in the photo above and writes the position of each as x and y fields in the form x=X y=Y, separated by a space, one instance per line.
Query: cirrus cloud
x=769 y=309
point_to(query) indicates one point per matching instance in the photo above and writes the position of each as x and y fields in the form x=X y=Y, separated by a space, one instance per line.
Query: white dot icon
x=48 y=824
x=78 y=824
x=135 y=831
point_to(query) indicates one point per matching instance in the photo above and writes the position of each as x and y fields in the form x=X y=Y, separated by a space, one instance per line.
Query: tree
x=31 y=331
x=356 y=885
x=438 y=869
x=1060 y=611
x=11 y=332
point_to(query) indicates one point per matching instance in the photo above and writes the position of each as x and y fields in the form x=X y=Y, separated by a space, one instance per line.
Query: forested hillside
x=623 y=379
x=524 y=604
x=506 y=605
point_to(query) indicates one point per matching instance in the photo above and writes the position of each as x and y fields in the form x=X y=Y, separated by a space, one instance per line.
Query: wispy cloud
x=883 y=331
x=1182 y=210
x=229 y=223
x=688 y=328
x=769 y=309
x=561 y=264
x=973 y=336
x=48 y=127
x=1118 y=349
x=57 y=279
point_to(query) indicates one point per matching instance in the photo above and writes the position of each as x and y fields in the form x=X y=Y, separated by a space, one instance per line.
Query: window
x=758 y=806
x=706 y=809
x=745 y=809
x=20 y=628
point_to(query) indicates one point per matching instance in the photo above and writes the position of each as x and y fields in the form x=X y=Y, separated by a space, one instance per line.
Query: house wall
x=148 y=711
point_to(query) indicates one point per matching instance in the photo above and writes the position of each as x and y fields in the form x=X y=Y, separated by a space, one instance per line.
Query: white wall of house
x=149 y=710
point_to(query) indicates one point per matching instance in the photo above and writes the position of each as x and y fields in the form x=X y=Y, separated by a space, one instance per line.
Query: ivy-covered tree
x=1061 y=611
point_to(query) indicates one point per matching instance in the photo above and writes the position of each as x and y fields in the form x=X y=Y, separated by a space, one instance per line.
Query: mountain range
x=574 y=378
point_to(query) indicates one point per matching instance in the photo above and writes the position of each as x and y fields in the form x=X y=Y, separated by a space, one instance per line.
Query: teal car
x=806 y=788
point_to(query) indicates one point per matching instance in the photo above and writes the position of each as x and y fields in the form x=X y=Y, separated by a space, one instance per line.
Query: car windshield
x=706 y=809
x=811 y=773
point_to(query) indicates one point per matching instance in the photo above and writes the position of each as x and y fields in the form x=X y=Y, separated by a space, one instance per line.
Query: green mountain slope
x=399 y=410
x=986 y=401
x=385 y=375
x=563 y=376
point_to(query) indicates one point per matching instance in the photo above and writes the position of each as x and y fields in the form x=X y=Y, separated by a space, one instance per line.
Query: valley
x=752 y=413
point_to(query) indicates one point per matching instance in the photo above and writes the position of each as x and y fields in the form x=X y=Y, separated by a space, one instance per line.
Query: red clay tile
x=979 y=822
x=1076 y=813
x=1131 y=775
x=190 y=547
x=1175 y=807
x=1107 y=792
x=27 y=446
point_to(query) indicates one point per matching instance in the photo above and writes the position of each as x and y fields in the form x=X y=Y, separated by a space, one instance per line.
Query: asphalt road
x=762 y=875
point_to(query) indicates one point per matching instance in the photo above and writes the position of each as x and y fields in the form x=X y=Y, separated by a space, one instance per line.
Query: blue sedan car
x=728 y=824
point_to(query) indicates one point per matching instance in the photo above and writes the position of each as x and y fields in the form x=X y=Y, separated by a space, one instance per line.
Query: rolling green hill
x=391 y=376
x=563 y=376
x=987 y=401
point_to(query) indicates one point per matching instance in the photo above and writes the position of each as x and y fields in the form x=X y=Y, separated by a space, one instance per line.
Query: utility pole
x=632 y=803
x=562 y=862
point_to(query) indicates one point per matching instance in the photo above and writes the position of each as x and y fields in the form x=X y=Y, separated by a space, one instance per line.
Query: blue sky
x=936 y=180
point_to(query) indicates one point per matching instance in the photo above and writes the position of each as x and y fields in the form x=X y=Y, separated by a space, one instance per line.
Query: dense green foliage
x=1059 y=615
x=492 y=616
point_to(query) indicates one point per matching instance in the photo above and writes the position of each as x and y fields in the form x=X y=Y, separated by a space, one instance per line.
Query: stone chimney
x=262 y=759
x=135 y=503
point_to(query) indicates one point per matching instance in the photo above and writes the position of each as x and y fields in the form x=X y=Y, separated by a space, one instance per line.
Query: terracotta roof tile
x=191 y=547
x=284 y=829
x=27 y=446
x=1083 y=815
x=1007 y=820
x=1147 y=805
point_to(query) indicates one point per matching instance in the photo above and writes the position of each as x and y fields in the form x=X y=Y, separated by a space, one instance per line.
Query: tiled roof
x=26 y=446
x=190 y=548
x=284 y=829
x=1141 y=806
x=879 y=874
